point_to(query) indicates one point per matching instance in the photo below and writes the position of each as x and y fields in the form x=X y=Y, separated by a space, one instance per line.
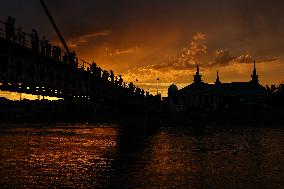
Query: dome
x=173 y=89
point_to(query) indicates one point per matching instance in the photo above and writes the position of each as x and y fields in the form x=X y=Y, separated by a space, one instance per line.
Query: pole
x=157 y=87
x=55 y=27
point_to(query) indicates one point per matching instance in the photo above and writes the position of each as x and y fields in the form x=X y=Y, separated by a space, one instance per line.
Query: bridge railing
x=15 y=34
x=24 y=39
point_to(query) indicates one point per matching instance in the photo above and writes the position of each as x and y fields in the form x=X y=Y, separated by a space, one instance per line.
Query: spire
x=197 y=76
x=217 y=74
x=217 y=79
x=254 y=70
x=254 y=76
x=197 y=72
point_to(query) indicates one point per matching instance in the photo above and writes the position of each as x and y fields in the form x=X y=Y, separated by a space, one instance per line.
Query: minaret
x=254 y=76
x=197 y=76
x=217 y=79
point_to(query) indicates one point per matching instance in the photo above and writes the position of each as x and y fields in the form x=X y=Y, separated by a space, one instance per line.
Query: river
x=111 y=156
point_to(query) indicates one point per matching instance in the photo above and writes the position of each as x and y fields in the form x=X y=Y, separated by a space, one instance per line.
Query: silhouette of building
x=205 y=96
x=276 y=96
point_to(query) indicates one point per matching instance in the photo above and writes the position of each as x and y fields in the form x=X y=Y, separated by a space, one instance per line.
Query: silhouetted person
x=96 y=70
x=54 y=52
x=105 y=75
x=34 y=40
x=111 y=76
x=8 y=27
x=93 y=68
x=65 y=58
x=48 y=50
x=77 y=63
x=32 y=35
x=147 y=94
x=72 y=59
x=99 y=72
x=120 y=81
x=13 y=35
x=44 y=44
x=143 y=92
x=137 y=90
x=20 y=36
x=131 y=86
x=58 y=53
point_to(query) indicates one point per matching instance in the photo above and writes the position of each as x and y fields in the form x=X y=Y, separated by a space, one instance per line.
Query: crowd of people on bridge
x=38 y=45
x=117 y=80
x=45 y=48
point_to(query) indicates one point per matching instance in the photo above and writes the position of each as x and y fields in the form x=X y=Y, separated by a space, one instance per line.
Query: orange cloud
x=199 y=36
x=117 y=52
x=187 y=58
x=86 y=38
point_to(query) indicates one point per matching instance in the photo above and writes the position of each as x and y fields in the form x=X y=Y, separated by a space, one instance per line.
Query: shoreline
x=21 y=112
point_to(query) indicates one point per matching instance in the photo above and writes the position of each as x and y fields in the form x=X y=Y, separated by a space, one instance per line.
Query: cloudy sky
x=166 y=39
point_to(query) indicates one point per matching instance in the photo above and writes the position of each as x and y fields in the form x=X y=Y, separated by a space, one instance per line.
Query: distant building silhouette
x=205 y=96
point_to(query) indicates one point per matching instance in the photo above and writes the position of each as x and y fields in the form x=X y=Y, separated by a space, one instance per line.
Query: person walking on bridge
x=34 y=40
x=20 y=36
x=44 y=44
x=13 y=35
x=58 y=53
x=111 y=76
x=120 y=81
x=8 y=28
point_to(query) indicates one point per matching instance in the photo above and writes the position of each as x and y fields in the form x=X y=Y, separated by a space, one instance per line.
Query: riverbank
x=44 y=111
x=254 y=117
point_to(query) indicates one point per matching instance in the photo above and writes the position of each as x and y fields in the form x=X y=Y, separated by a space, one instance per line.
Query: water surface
x=108 y=156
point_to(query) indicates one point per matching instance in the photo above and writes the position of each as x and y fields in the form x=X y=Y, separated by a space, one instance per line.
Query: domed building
x=173 y=89
x=205 y=96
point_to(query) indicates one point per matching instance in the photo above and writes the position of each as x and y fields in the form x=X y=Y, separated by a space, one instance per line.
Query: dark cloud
x=224 y=57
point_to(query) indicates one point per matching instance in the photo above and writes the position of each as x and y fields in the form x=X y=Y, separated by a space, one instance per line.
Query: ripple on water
x=84 y=156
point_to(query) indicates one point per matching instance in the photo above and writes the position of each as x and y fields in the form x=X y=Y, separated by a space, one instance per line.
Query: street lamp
x=157 y=86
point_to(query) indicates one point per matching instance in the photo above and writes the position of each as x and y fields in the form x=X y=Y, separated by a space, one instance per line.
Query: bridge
x=26 y=67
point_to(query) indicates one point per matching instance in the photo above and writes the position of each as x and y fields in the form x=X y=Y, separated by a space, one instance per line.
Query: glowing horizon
x=15 y=96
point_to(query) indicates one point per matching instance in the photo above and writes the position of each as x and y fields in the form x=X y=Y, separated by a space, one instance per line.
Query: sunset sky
x=166 y=39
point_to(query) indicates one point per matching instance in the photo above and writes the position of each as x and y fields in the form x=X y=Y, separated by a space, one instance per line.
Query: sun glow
x=21 y=96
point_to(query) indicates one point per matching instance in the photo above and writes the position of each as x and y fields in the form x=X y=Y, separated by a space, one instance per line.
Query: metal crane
x=55 y=27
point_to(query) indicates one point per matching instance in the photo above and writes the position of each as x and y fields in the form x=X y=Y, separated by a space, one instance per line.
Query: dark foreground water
x=107 y=156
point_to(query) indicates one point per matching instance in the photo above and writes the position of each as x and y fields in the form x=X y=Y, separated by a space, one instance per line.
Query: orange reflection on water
x=61 y=156
x=217 y=158
x=172 y=162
